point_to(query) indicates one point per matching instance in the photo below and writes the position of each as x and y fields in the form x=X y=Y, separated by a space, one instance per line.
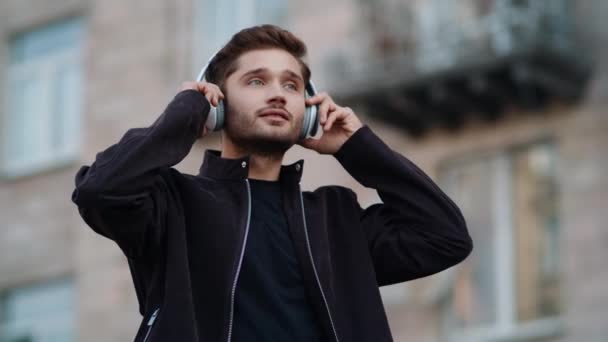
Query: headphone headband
x=202 y=75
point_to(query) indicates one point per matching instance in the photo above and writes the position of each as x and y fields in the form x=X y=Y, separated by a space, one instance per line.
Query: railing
x=411 y=39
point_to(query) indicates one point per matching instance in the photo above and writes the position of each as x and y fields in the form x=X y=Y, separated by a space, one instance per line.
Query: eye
x=292 y=85
x=251 y=81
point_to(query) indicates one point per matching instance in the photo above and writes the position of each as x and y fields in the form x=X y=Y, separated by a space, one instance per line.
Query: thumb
x=309 y=143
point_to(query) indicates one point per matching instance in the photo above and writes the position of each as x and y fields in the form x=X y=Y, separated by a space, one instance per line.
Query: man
x=239 y=252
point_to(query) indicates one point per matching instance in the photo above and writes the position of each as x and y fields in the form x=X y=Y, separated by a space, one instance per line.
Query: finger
x=214 y=88
x=200 y=87
x=324 y=112
x=315 y=99
x=308 y=143
x=206 y=87
x=209 y=98
x=332 y=107
x=336 y=115
x=318 y=98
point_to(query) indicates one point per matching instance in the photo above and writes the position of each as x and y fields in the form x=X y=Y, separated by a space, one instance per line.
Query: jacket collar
x=215 y=166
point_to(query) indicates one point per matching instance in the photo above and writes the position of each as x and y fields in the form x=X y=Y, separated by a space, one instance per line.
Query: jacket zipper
x=238 y=269
x=151 y=323
x=313 y=265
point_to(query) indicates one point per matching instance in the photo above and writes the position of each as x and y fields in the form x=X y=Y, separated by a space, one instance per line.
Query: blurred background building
x=502 y=102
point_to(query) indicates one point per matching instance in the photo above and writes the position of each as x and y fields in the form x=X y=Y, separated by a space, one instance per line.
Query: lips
x=275 y=112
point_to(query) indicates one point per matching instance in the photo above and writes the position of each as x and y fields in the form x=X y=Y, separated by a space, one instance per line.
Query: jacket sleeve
x=417 y=230
x=123 y=194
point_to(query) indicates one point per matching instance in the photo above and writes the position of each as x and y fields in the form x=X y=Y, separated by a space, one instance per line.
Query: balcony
x=423 y=63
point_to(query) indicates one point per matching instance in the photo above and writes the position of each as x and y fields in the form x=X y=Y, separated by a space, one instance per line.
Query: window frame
x=506 y=326
x=45 y=70
x=52 y=286
x=245 y=17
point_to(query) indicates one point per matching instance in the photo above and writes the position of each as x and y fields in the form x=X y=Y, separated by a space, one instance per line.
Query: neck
x=261 y=166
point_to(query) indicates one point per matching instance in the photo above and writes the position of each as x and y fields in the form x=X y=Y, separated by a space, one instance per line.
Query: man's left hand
x=338 y=124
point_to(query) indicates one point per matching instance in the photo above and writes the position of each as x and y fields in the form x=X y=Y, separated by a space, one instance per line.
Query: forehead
x=275 y=60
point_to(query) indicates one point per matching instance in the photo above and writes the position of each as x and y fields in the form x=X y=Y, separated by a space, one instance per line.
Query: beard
x=246 y=132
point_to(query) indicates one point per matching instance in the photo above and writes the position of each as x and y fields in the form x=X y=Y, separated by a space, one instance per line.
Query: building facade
x=513 y=129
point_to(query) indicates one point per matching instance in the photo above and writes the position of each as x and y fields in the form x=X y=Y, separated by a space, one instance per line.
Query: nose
x=275 y=94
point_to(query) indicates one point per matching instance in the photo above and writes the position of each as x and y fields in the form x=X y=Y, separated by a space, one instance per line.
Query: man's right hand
x=211 y=91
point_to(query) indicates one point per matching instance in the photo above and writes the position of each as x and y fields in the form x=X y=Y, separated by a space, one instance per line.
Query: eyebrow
x=264 y=70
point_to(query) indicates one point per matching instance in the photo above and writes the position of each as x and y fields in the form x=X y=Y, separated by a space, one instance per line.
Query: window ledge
x=529 y=331
x=37 y=169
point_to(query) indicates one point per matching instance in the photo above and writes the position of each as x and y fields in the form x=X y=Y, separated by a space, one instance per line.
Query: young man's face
x=265 y=81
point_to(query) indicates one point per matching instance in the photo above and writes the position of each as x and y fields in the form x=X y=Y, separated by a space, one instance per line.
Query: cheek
x=239 y=109
x=297 y=105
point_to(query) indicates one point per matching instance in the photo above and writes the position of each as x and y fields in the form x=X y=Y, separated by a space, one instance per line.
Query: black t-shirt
x=271 y=303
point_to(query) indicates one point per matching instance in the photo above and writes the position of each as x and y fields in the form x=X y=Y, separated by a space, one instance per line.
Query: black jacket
x=184 y=235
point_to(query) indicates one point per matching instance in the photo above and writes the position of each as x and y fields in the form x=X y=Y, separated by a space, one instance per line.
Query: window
x=42 y=118
x=509 y=287
x=42 y=313
x=217 y=20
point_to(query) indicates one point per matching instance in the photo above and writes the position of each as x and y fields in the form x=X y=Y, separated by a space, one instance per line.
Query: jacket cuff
x=356 y=144
x=194 y=99
x=364 y=153
x=191 y=101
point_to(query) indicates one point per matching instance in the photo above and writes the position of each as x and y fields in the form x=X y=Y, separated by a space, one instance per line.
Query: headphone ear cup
x=215 y=119
x=310 y=124
x=306 y=123
x=211 y=119
x=221 y=114
x=314 y=121
x=306 y=119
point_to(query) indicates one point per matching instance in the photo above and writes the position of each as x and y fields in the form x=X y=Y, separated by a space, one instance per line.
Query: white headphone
x=216 y=118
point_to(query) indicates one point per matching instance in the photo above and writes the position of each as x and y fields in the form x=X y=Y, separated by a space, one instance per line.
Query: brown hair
x=255 y=38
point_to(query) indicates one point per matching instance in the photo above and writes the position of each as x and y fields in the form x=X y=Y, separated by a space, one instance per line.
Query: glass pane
x=226 y=17
x=39 y=313
x=15 y=128
x=536 y=233
x=24 y=131
x=66 y=112
x=44 y=106
x=46 y=41
x=271 y=11
x=473 y=300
